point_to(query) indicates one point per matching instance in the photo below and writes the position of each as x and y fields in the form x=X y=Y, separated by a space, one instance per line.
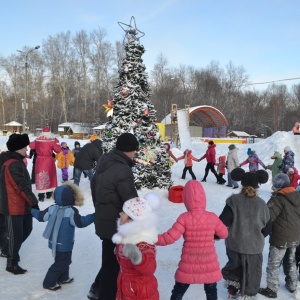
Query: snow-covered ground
x=36 y=257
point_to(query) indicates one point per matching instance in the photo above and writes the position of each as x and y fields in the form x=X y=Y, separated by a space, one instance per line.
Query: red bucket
x=175 y=193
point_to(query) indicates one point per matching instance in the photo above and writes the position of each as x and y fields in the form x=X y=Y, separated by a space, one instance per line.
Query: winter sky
x=261 y=35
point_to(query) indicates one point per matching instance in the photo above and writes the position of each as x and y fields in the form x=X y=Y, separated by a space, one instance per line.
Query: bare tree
x=58 y=56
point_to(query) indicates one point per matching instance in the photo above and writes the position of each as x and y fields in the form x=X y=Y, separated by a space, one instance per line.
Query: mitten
x=133 y=252
x=35 y=206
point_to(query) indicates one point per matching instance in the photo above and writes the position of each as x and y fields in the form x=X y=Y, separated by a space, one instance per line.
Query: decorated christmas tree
x=132 y=111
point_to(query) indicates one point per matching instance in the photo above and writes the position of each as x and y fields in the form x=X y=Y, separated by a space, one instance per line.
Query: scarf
x=53 y=226
x=65 y=151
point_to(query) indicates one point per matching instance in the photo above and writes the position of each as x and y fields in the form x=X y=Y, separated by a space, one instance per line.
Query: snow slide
x=183 y=130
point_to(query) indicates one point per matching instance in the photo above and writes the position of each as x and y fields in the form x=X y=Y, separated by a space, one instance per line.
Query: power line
x=270 y=81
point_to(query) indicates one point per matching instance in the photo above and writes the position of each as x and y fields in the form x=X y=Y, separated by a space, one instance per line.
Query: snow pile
x=37 y=258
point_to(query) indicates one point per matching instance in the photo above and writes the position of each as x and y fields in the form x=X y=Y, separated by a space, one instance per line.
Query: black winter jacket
x=16 y=196
x=112 y=185
x=284 y=207
x=88 y=155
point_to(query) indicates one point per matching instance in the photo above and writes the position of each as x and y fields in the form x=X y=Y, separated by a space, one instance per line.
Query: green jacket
x=284 y=207
x=275 y=167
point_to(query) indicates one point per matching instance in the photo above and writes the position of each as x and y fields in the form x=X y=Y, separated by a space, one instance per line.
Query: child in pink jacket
x=199 y=261
x=188 y=164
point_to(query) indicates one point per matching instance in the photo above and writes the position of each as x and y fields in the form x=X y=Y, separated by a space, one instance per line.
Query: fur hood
x=72 y=195
x=134 y=232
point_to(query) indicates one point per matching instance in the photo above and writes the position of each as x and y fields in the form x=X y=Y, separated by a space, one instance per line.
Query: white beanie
x=287 y=148
x=291 y=171
x=139 y=208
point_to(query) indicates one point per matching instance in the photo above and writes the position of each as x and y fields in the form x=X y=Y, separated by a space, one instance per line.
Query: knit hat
x=127 y=142
x=46 y=129
x=249 y=179
x=139 y=209
x=291 y=171
x=249 y=152
x=63 y=143
x=76 y=143
x=280 y=181
x=17 y=141
x=287 y=149
x=231 y=147
x=211 y=142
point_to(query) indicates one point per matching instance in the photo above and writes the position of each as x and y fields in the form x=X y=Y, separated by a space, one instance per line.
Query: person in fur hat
x=45 y=169
x=188 y=163
x=16 y=199
x=135 y=250
x=199 y=261
x=248 y=220
x=62 y=219
x=112 y=185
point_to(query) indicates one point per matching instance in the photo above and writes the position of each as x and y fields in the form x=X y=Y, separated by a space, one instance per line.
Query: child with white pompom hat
x=136 y=252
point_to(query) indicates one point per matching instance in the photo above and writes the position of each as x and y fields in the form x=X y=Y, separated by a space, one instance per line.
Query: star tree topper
x=130 y=30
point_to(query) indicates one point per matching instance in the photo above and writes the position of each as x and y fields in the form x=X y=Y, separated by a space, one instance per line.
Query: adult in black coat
x=16 y=199
x=112 y=185
x=86 y=159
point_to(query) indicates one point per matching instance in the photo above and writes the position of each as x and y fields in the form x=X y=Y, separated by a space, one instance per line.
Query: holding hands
x=133 y=252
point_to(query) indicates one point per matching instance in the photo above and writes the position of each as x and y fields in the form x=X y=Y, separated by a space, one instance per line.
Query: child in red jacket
x=221 y=169
x=293 y=176
x=171 y=155
x=188 y=164
x=135 y=250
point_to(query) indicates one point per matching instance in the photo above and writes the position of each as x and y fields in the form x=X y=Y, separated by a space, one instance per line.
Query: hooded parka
x=284 y=207
x=199 y=261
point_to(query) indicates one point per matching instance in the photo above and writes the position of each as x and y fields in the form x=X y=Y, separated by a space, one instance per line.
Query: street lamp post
x=26 y=78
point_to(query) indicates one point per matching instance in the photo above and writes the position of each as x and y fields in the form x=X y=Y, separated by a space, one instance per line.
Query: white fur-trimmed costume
x=136 y=278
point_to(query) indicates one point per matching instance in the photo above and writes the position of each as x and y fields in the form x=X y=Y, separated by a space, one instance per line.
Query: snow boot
x=53 y=288
x=232 y=292
x=49 y=195
x=93 y=293
x=267 y=292
x=69 y=280
x=289 y=289
x=16 y=269
x=3 y=254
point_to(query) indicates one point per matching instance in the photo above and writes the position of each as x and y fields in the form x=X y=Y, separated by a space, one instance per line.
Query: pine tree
x=133 y=112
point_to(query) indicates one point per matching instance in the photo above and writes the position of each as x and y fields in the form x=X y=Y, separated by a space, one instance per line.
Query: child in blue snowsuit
x=62 y=219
